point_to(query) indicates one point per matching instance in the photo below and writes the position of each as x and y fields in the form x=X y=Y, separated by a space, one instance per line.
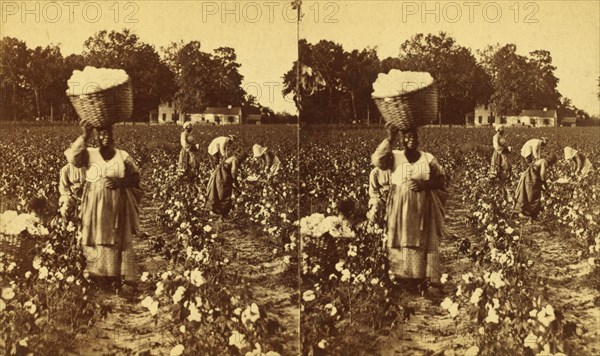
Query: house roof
x=223 y=111
x=538 y=113
x=569 y=120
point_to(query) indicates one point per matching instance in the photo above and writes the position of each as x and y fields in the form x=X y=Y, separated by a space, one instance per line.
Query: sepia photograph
x=299 y=177
x=149 y=179
x=448 y=196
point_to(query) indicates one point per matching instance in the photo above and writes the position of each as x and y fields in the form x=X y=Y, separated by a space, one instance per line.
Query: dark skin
x=544 y=165
x=241 y=158
x=410 y=143
x=107 y=151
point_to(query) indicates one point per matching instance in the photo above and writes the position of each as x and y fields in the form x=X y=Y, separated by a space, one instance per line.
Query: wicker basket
x=106 y=107
x=19 y=248
x=408 y=111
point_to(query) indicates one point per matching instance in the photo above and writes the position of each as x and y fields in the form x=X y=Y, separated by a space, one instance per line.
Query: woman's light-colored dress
x=415 y=220
x=110 y=217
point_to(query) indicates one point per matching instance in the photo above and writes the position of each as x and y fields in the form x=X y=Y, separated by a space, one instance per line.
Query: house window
x=481 y=119
x=169 y=104
x=164 y=117
x=547 y=122
x=231 y=118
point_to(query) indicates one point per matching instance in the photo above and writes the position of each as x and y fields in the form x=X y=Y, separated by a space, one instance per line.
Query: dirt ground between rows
x=433 y=332
x=128 y=327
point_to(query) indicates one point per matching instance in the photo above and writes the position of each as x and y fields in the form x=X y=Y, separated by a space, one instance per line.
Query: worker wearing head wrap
x=582 y=163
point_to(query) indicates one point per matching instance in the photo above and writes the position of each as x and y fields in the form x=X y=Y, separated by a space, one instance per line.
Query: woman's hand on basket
x=392 y=131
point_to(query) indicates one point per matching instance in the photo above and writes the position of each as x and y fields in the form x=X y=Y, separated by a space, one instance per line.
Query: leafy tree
x=510 y=80
x=227 y=88
x=390 y=63
x=193 y=76
x=328 y=59
x=267 y=115
x=45 y=76
x=520 y=82
x=543 y=92
x=566 y=108
x=251 y=106
x=204 y=79
x=360 y=71
x=14 y=56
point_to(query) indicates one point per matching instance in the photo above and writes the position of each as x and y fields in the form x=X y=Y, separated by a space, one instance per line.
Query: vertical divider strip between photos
x=298 y=174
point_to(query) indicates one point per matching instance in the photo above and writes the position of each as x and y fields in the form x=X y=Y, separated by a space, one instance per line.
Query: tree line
x=338 y=86
x=329 y=84
x=33 y=81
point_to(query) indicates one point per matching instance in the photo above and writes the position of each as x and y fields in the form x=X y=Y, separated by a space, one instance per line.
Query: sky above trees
x=568 y=30
x=264 y=34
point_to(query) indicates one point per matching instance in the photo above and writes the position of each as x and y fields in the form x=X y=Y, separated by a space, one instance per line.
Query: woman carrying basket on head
x=415 y=208
x=110 y=206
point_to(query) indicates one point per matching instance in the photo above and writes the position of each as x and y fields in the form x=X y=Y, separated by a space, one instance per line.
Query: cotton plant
x=493 y=297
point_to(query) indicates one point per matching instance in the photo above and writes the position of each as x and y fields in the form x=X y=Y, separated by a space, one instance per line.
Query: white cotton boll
x=92 y=80
x=397 y=82
x=20 y=223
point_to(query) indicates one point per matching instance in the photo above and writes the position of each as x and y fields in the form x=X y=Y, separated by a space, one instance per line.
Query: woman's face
x=105 y=138
x=410 y=140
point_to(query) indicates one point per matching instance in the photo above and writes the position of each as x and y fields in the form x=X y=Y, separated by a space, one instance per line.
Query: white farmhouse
x=481 y=116
x=533 y=118
x=167 y=112
x=218 y=116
